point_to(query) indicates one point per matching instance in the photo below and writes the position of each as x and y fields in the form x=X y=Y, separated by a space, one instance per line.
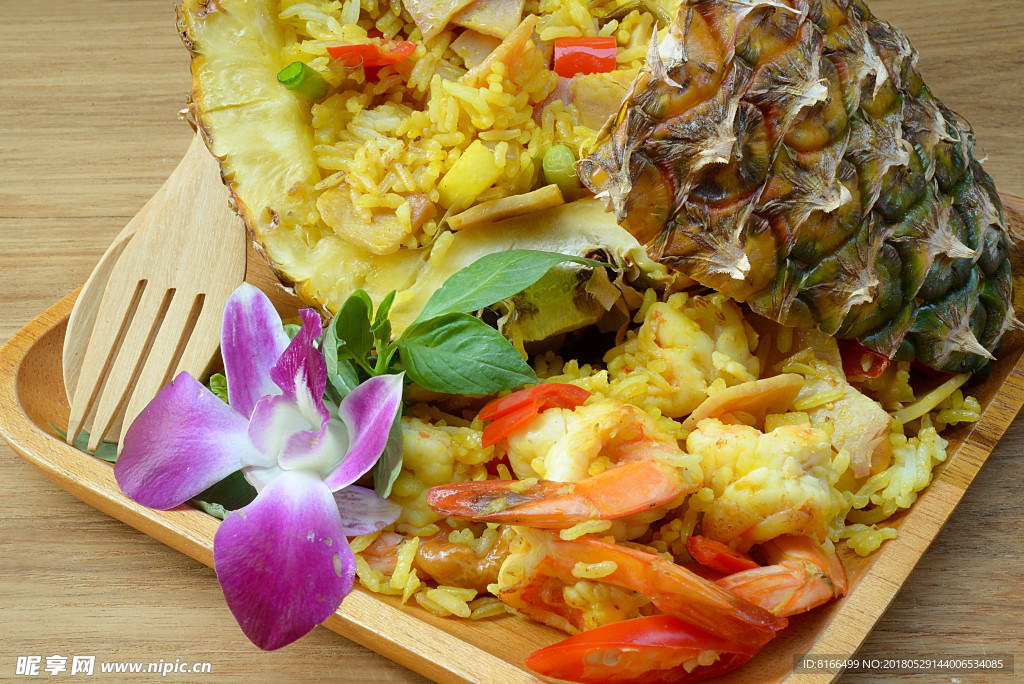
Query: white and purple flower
x=283 y=561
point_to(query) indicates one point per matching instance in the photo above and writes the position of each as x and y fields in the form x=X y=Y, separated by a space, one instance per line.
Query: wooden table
x=89 y=92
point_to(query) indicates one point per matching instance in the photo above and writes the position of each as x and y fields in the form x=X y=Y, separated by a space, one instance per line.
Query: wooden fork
x=162 y=306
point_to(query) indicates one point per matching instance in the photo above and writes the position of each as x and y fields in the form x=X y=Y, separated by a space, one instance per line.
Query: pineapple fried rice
x=395 y=151
x=716 y=344
x=402 y=150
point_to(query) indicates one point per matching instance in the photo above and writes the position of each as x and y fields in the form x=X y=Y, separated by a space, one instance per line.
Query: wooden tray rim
x=428 y=650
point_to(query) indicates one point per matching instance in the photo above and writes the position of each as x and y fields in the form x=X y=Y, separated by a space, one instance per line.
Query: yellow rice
x=381 y=140
x=441 y=447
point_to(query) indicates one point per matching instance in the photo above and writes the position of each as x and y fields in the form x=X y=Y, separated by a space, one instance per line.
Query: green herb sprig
x=445 y=349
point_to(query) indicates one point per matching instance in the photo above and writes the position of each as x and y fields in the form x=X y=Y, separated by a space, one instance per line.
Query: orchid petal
x=301 y=371
x=259 y=477
x=274 y=419
x=368 y=411
x=320 y=451
x=363 y=512
x=251 y=340
x=283 y=561
x=183 y=442
x=279 y=428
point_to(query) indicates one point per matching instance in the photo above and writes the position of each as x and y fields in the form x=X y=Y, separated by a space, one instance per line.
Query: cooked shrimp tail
x=671 y=588
x=660 y=648
x=675 y=648
x=627 y=489
x=803 y=576
x=598 y=461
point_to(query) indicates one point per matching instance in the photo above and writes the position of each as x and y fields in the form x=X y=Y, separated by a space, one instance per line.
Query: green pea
x=560 y=168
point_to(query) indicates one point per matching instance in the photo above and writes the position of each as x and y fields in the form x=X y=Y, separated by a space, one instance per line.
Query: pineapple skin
x=790 y=156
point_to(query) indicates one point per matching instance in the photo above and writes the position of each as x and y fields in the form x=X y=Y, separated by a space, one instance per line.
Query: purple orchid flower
x=283 y=561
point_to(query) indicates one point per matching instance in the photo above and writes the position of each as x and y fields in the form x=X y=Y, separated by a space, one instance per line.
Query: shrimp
x=684 y=346
x=764 y=485
x=444 y=561
x=859 y=424
x=600 y=461
x=803 y=575
x=665 y=648
x=539 y=575
x=433 y=455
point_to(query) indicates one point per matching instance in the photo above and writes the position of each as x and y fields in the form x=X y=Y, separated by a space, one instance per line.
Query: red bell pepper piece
x=511 y=413
x=584 y=55
x=373 y=54
x=717 y=556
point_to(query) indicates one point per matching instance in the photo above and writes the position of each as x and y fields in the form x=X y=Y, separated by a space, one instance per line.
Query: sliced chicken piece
x=431 y=16
x=496 y=18
x=383 y=234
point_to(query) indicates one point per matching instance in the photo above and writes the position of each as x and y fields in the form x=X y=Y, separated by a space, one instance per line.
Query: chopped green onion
x=304 y=80
x=560 y=168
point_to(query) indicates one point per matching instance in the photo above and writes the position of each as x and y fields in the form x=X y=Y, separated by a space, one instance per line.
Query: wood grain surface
x=88 y=96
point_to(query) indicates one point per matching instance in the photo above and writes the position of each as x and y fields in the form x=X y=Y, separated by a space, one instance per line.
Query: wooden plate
x=451 y=650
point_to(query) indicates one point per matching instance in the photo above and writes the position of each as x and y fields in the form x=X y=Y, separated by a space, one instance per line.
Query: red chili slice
x=861 y=363
x=511 y=413
x=645 y=649
x=372 y=54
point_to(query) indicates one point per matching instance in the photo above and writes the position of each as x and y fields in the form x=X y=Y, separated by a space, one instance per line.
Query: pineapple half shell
x=263 y=135
x=790 y=156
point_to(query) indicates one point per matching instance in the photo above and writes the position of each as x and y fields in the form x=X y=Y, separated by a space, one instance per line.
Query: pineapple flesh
x=789 y=155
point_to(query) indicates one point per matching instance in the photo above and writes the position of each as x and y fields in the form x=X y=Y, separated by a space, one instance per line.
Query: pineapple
x=785 y=153
x=789 y=155
x=263 y=135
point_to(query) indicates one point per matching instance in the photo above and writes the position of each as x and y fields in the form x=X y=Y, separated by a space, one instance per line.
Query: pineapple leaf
x=493 y=278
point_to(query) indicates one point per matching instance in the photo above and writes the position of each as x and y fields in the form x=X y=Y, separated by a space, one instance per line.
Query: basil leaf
x=492 y=278
x=389 y=465
x=459 y=354
x=383 y=310
x=212 y=509
x=218 y=384
x=230 y=494
x=105 y=451
x=381 y=330
x=329 y=348
x=382 y=342
x=344 y=379
x=351 y=326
